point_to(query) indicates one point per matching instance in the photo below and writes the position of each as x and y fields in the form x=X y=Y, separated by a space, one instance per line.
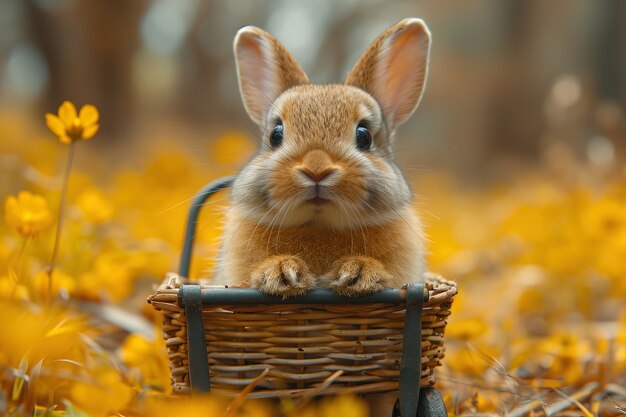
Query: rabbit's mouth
x=317 y=194
x=318 y=201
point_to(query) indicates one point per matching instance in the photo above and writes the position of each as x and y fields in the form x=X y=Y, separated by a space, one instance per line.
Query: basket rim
x=436 y=290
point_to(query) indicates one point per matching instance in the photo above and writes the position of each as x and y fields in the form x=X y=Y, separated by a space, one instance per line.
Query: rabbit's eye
x=363 y=138
x=276 y=137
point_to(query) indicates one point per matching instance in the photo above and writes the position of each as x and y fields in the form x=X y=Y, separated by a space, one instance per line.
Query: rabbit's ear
x=394 y=69
x=265 y=69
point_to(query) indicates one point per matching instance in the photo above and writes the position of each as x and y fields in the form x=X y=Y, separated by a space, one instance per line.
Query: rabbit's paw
x=357 y=275
x=283 y=275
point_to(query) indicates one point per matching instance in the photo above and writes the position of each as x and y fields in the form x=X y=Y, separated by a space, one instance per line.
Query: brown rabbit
x=323 y=204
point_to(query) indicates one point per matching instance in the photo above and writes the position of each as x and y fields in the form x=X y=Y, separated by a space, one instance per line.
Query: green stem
x=62 y=202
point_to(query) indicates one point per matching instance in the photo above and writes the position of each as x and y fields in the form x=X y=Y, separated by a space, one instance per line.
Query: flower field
x=539 y=325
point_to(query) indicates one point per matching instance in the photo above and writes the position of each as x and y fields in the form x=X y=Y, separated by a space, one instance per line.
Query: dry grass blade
x=239 y=399
x=31 y=392
x=616 y=389
x=129 y=322
x=575 y=398
x=306 y=398
x=620 y=409
x=20 y=379
x=69 y=361
x=525 y=409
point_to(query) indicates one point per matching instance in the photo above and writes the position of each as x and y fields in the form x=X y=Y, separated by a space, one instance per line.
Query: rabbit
x=322 y=204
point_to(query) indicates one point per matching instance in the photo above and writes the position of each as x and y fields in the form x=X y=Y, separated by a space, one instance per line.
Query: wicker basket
x=312 y=349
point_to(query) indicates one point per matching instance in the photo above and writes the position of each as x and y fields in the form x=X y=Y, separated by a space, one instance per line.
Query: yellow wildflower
x=95 y=206
x=27 y=213
x=470 y=360
x=176 y=406
x=466 y=329
x=11 y=288
x=343 y=405
x=147 y=360
x=563 y=355
x=60 y=281
x=71 y=126
x=107 y=394
x=603 y=218
x=40 y=333
x=112 y=274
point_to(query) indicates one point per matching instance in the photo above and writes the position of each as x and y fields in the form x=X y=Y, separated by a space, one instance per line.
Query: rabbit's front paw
x=357 y=275
x=283 y=275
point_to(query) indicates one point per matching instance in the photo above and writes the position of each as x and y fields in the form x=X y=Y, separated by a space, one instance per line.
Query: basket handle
x=192 y=220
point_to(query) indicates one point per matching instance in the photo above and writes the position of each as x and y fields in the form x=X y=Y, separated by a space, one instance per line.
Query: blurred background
x=516 y=155
x=511 y=82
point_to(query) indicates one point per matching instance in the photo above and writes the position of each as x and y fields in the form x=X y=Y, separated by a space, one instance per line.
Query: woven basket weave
x=304 y=349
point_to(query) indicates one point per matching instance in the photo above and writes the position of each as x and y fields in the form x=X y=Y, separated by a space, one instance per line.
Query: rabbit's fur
x=316 y=210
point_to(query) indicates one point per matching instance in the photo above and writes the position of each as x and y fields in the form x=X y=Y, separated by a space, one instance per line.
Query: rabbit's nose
x=317 y=165
x=317 y=176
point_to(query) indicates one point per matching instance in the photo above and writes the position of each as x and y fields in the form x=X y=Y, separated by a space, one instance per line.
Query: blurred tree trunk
x=608 y=56
x=516 y=109
x=608 y=62
x=199 y=90
x=42 y=31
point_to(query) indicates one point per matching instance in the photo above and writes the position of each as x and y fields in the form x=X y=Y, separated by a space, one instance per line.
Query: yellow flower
x=95 y=206
x=106 y=395
x=190 y=407
x=466 y=329
x=70 y=126
x=343 y=405
x=603 y=218
x=148 y=361
x=564 y=355
x=36 y=334
x=27 y=213
x=112 y=274
x=60 y=281
x=11 y=288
